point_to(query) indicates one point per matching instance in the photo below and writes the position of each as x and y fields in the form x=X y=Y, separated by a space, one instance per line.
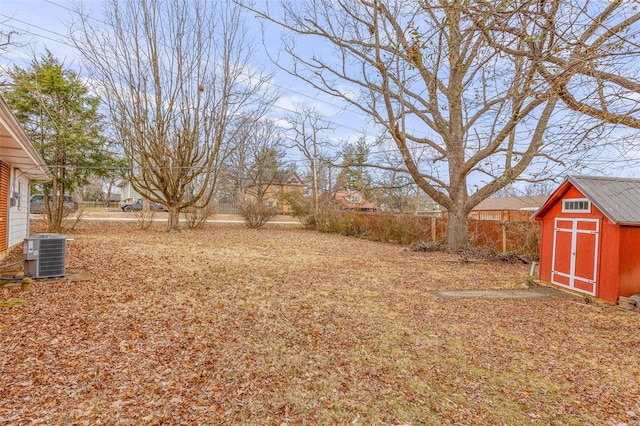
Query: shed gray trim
x=617 y=198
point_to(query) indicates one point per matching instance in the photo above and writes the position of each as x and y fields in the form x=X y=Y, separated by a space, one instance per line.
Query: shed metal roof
x=617 y=198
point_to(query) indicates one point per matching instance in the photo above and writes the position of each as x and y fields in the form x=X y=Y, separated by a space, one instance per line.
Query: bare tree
x=469 y=82
x=585 y=50
x=256 y=168
x=179 y=87
x=395 y=192
x=8 y=39
x=307 y=133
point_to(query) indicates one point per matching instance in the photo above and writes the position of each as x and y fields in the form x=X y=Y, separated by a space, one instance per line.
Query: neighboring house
x=508 y=209
x=272 y=187
x=591 y=235
x=426 y=206
x=353 y=200
x=127 y=193
x=20 y=162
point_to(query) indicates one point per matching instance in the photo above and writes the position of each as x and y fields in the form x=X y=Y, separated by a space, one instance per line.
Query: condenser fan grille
x=44 y=255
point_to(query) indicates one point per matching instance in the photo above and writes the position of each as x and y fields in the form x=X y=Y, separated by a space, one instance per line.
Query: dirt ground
x=228 y=325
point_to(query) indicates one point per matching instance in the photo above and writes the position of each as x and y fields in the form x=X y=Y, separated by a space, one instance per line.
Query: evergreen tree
x=354 y=175
x=61 y=118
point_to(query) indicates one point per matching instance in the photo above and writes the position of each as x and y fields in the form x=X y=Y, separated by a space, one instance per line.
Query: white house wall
x=18 y=228
x=128 y=194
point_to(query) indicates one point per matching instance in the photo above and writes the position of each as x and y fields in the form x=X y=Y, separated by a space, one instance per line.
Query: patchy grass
x=11 y=303
x=227 y=325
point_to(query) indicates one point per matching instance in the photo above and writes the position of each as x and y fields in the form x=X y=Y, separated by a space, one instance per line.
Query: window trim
x=566 y=209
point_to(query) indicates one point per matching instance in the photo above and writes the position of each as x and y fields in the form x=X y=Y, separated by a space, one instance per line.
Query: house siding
x=128 y=194
x=19 y=214
x=273 y=195
x=629 y=261
x=609 y=261
x=4 y=205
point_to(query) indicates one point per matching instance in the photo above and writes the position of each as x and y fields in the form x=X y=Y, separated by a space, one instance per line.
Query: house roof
x=279 y=178
x=17 y=149
x=344 y=198
x=617 y=198
x=512 y=203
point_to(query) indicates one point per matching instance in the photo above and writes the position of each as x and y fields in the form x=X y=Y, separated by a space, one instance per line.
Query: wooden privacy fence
x=522 y=237
x=502 y=215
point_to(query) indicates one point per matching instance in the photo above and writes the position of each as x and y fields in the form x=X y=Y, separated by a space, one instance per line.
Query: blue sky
x=41 y=25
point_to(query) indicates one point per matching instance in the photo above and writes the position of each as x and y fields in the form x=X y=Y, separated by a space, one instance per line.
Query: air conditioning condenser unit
x=44 y=255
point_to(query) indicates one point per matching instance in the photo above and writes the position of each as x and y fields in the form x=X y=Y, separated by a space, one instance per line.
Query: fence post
x=504 y=238
x=433 y=230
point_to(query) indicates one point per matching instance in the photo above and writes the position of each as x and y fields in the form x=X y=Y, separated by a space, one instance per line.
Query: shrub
x=196 y=216
x=255 y=214
x=521 y=237
x=145 y=218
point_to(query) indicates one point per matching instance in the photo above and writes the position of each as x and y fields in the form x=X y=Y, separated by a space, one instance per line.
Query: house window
x=356 y=198
x=576 y=206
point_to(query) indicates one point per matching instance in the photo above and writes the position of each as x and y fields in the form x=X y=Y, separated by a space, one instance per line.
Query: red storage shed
x=590 y=239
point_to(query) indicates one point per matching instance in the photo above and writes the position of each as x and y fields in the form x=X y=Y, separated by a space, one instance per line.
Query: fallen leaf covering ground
x=228 y=325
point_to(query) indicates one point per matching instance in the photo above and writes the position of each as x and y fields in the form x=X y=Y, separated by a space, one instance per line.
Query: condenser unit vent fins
x=44 y=255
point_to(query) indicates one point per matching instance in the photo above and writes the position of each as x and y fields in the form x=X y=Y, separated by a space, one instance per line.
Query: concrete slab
x=541 y=292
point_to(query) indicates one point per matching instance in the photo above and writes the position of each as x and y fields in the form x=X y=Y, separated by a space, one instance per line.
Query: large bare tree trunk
x=458 y=225
x=458 y=230
x=173 y=224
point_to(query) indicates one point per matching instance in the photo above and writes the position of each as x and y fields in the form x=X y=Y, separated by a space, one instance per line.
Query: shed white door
x=575 y=254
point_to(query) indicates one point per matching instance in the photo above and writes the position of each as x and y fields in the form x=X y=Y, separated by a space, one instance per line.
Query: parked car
x=137 y=206
x=36 y=204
